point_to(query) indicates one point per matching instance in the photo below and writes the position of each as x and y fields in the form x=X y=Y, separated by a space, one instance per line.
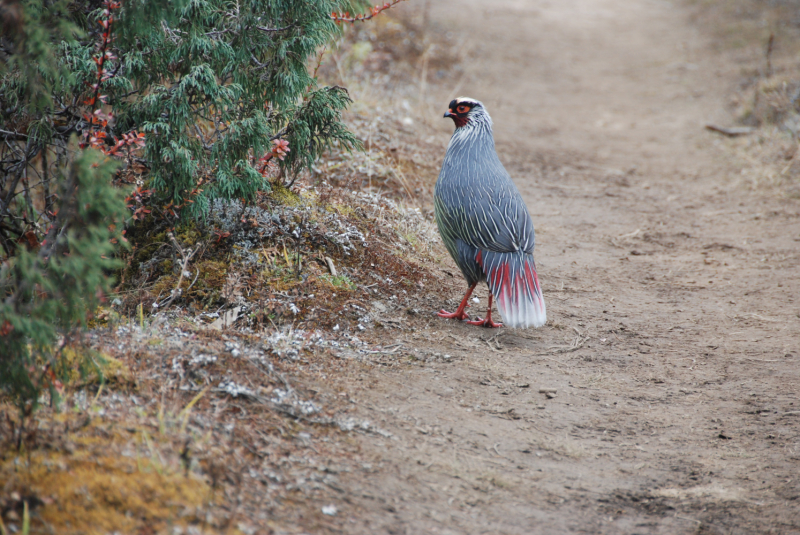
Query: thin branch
x=186 y=256
x=48 y=200
x=271 y=30
x=345 y=17
x=13 y=135
x=30 y=152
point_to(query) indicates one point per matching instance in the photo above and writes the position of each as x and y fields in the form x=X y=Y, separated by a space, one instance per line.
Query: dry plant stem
x=731 y=132
x=331 y=266
x=557 y=350
x=767 y=69
x=768 y=55
x=186 y=256
x=48 y=200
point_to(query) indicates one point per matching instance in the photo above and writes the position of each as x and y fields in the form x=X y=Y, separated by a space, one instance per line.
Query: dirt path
x=672 y=296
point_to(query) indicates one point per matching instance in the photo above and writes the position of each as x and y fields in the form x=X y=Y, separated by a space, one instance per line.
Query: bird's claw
x=453 y=315
x=485 y=323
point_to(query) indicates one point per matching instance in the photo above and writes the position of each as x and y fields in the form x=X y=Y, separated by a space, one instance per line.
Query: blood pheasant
x=484 y=222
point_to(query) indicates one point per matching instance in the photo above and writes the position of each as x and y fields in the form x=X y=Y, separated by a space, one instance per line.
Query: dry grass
x=97 y=476
x=763 y=40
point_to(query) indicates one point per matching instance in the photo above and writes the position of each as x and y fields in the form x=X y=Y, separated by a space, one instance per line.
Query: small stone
x=329 y=510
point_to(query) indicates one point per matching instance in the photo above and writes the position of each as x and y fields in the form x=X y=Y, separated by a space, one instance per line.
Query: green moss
x=284 y=196
x=90 y=367
x=102 y=317
x=210 y=281
x=95 y=491
x=188 y=234
x=342 y=209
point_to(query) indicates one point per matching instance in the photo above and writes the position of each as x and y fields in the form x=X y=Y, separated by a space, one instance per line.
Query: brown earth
x=672 y=288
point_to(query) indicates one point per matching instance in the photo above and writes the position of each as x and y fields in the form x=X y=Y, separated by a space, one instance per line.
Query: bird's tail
x=513 y=282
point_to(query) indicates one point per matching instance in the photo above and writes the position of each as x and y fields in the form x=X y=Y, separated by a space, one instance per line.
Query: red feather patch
x=513 y=281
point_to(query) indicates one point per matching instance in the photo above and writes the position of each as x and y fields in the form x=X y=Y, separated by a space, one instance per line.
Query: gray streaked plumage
x=483 y=220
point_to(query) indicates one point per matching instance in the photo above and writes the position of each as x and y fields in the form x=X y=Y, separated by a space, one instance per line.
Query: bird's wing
x=487 y=212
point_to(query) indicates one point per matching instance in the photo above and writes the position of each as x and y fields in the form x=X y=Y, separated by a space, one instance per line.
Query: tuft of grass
x=762 y=38
x=339 y=282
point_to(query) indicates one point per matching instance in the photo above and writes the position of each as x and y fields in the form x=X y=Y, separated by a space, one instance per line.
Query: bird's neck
x=476 y=135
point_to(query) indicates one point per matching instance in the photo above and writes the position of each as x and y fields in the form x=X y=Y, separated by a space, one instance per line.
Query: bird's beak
x=448 y=113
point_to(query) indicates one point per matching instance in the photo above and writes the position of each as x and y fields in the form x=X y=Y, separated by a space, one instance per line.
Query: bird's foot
x=457 y=315
x=485 y=323
x=461 y=312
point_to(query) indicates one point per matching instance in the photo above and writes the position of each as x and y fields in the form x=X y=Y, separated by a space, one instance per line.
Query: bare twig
x=186 y=256
x=13 y=135
x=733 y=131
x=768 y=54
x=557 y=350
x=615 y=241
x=345 y=17
x=331 y=267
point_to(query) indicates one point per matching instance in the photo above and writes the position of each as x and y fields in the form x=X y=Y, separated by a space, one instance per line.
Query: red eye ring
x=462 y=109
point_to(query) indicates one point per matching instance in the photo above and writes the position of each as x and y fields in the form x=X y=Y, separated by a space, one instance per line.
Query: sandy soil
x=672 y=345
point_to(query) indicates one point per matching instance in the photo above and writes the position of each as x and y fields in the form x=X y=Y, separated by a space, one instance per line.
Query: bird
x=485 y=224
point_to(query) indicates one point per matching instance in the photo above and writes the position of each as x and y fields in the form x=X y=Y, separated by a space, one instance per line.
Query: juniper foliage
x=47 y=291
x=210 y=83
x=223 y=82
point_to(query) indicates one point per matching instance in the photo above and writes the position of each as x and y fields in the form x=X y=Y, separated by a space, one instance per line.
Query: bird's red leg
x=488 y=321
x=460 y=313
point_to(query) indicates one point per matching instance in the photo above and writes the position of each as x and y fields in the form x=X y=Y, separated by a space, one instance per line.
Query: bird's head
x=463 y=110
